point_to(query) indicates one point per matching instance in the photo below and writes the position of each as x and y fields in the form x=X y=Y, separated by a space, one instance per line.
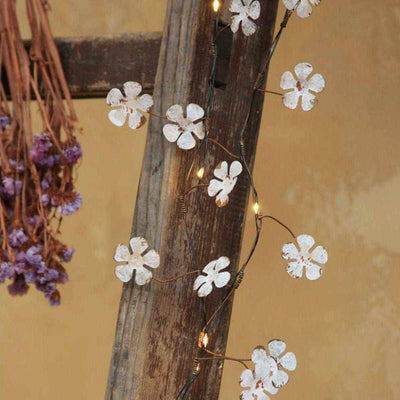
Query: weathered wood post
x=158 y=325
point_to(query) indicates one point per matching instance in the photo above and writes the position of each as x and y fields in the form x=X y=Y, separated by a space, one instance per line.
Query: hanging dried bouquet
x=37 y=165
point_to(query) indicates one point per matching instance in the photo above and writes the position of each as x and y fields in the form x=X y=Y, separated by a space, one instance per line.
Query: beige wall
x=333 y=173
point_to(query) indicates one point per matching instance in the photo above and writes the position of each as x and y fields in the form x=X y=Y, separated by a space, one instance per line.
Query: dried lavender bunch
x=36 y=170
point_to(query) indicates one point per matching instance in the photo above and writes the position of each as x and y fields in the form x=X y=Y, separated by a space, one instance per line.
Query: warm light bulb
x=200 y=173
x=216 y=5
x=256 y=208
x=205 y=340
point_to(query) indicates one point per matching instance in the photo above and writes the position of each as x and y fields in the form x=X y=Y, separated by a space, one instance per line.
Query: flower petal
x=171 y=132
x=315 y=2
x=291 y=99
x=246 y=379
x=152 y=259
x=290 y=4
x=114 y=97
x=236 y=6
x=142 y=276
x=221 y=171
x=186 y=141
x=222 y=279
x=138 y=244
x=222 y=263
x=288 y=81
x=145 y=102
x=259 y=355
x=303 y=70
x=117 y=117
x=194 y=112
x=305 y=242
x=304 y=9
x=136 y=120
x=121 y=253
x=199 y=130
x=313 y=271
x=255 y=10
x=316 y=83
x=175 y=113
x=124 y=272
x=308 y=102
x=200 y=280
x=295 y=269
x=205 y=290
x=222 y=199
x=276 y=348
x=210 y=267
x=214 y=187
x=280 y=379
x=288 y=361
x=235 y=169
x=248 y=27
x=132 y=89
x=235 y=22
x=320 y=255
x=289 y=251
x=248 y=395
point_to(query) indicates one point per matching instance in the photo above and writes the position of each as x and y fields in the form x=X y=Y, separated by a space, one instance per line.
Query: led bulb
x=200 y=173
x=205 y=341
x=256 y=208
x=216 y=5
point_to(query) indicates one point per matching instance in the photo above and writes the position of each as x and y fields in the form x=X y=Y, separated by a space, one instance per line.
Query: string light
x=200 y=173
x=256 y=208
x=203 y=340
x=216 y=5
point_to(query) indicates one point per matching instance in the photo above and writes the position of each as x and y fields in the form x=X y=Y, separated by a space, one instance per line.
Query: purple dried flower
x=7 y=271
x=18 y=287
x=46 y=181
x=71 y=207
x=11 y=187
x=45 y=199
x=73 y=154
x=67 y=254
x=19 y=168
x=41 y=144
x=4 y=121
x=17 y=238
x=32 y=256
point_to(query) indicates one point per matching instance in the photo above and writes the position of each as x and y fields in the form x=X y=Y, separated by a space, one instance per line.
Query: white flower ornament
x=303 y=257
x=301 y=87
x=258 y=385
x=136 y=261
x=185 y=127
x=247 y=12
x=132 y=105
x=213 y=275
x=303 y=9
x=225 y=182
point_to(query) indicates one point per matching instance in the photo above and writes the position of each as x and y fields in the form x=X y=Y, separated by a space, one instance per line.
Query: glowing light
x=205 y=341
x=200 y=173
x=256 y=208
x=216 y=5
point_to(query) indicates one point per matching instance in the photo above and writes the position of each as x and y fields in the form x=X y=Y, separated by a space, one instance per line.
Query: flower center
x=136 y=259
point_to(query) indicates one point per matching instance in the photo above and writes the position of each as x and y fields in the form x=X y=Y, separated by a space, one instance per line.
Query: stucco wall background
x=333 y=173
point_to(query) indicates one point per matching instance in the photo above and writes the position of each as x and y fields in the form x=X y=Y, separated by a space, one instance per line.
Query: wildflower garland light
x=36 y=170
x=190 y=129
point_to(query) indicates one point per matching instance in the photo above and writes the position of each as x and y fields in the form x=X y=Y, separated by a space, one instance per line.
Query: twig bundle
x=37 y=168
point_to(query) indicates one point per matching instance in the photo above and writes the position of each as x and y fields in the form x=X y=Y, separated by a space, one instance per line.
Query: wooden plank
x=93 y=65
x=158 y=325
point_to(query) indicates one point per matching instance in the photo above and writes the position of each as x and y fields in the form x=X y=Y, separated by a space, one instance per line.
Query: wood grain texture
x=158 y=325
x=93 y=65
